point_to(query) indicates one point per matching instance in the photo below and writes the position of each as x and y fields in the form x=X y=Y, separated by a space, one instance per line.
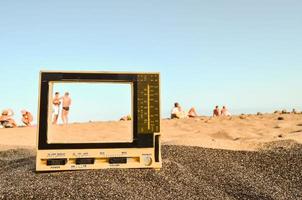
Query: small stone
x=242 y=116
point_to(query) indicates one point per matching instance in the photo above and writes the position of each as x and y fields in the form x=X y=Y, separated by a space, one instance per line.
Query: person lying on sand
x=6 y=119
x=27 y=117
x=216 y=112
x=178 y=113
x=225 y=111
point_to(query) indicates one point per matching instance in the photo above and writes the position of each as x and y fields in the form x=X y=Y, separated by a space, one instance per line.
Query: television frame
x=145 y=145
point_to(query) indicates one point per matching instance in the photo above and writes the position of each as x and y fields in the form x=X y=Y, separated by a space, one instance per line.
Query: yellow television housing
x=143 y=152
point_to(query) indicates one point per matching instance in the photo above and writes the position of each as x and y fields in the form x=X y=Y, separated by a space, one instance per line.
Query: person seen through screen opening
x=56 y=107
x=66 y=100
x=178 y=113
x=27 y=117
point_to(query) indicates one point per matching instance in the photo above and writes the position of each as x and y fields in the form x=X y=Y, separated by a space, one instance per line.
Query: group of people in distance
x=7 y=120
x=66 y=103
x=178 y=113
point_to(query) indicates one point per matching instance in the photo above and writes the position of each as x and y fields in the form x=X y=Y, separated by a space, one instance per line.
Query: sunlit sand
x=235 y=133
x=92 y=132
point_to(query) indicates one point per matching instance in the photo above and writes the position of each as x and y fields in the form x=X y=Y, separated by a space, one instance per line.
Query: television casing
x=143 y=152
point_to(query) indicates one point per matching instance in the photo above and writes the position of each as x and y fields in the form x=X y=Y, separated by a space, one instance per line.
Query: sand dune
x=249 y=132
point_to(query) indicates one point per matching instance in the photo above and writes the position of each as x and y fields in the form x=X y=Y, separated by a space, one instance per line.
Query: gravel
x=187 y=173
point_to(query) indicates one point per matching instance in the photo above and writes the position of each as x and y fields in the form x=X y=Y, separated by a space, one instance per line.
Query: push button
x=118 y=160
x=81 y=161
x=57 y=161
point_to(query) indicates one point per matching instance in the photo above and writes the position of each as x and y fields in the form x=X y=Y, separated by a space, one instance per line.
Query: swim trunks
x=66 y=108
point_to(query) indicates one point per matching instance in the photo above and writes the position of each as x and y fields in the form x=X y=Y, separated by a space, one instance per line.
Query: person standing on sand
x=56 y=107
x=66 y=106
x=216 y=112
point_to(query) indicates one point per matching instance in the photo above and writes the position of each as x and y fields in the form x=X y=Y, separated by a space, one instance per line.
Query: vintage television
x=72 y=147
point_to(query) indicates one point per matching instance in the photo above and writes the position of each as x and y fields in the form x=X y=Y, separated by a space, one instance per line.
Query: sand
x=247 y=132
x=93 y=132
x=187 y=173
x=243 y=157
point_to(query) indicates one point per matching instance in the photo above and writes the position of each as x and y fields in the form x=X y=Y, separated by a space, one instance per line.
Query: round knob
x=147 y=160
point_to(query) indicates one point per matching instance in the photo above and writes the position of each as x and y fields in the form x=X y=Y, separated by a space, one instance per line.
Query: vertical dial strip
x=148 y=103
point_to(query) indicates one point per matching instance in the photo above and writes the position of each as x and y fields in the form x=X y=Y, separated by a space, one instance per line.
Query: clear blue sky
x=244 y=54
x=97 y=101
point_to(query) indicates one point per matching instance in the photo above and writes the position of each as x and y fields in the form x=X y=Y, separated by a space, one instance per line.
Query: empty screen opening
x=90 y=112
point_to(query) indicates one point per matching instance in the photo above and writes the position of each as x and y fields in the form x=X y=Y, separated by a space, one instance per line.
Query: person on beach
x=216 y=112
x=225 y=111
x=178 y=113
x=6 y=119
x=192 y=113
x=27 y=117
x=56 y=107
x=126 y=118
x=66 y=107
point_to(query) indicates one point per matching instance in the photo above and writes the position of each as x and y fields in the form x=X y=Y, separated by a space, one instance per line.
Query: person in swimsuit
x=225 y=111
x=56 y=107
x=27 y=117
x=216 y=112
x=192 y=113
x=6 y=119
x=66 y=106
x=178 y=113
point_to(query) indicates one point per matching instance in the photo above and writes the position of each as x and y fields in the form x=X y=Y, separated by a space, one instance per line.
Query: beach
x=214 y=89
x=243 y=132
x=239 y=157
